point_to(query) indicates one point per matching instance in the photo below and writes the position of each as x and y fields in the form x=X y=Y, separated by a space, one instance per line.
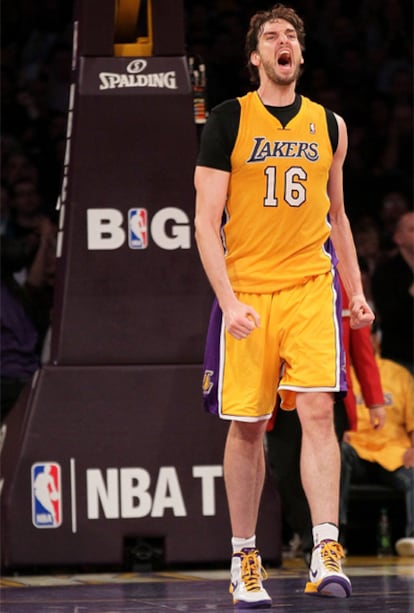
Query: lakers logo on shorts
x=207 y=382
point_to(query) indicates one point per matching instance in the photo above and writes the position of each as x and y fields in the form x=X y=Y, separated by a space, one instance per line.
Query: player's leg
x=283 y=448
x=244 y=473
x=320 y=471
x=248 y=394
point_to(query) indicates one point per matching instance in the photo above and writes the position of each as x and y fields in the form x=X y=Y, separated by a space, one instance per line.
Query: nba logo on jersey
x=138 y=228
x=46 y=495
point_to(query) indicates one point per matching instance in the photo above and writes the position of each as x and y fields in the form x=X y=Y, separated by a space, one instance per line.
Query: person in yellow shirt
x=384 y=455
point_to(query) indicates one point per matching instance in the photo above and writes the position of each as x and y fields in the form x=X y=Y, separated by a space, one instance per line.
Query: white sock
x=238 y=544
x=322 y=532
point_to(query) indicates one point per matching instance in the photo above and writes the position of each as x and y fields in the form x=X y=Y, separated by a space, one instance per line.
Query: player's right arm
x=211 y=187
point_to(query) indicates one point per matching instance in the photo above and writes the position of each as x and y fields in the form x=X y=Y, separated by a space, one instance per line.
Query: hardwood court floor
x=381 y=585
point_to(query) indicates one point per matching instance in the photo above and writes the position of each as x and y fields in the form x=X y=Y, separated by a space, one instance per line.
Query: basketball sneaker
x=246 y=586
x=325 y=572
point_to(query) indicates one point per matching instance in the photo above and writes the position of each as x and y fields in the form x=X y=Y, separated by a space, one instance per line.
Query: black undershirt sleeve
x=219 y=135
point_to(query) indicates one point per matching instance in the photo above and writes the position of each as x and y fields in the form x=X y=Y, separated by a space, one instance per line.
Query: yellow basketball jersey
x=277 y=206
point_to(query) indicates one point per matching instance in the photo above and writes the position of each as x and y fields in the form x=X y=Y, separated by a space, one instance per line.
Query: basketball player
x=269 y=215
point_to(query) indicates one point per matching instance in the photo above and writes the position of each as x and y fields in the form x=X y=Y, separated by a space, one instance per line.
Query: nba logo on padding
x=138 y=228
x=46 y=495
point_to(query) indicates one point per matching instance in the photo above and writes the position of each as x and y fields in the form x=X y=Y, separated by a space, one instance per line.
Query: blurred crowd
x=36 y=52
x=358 y=63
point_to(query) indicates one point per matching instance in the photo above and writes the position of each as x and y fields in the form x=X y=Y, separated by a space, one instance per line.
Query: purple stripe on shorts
x=212 y=360
x=329 y=248
x=342 y=374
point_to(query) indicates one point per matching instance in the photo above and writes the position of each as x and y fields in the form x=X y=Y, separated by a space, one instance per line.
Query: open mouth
x=284 y=59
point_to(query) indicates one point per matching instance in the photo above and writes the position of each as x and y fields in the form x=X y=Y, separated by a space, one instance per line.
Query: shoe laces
x=331 y=554
x=251 y=570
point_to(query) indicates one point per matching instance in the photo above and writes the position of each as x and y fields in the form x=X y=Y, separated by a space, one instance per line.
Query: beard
x=277 y=79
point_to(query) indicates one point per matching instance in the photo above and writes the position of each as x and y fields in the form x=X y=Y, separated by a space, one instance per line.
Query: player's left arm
x=361 y=313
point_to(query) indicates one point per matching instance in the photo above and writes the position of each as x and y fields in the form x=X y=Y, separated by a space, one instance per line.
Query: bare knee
x=248 y=432
x=315 y=411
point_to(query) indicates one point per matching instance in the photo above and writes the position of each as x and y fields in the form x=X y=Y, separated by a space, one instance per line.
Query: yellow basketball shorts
x=298 y=348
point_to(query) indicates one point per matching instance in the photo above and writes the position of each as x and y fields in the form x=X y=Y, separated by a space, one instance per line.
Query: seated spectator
x=27 y=279
x=18 y=166
x=25 y=205
x=27 y=221
x=19 y=347
x=4 y=209
x=392 y=287
x=384 y=455
x=393 y=204
x=367 y=243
